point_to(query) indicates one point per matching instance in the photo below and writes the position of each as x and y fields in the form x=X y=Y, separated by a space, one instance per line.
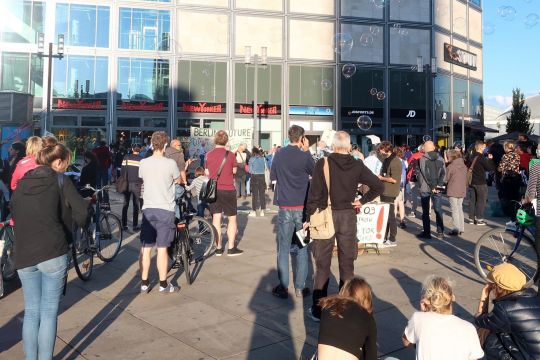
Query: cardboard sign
x=328 y=137
x=201 y=136
x=371 y=223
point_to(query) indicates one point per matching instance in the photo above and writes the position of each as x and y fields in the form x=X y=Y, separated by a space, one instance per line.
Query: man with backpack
x=430 y=176
x=478 y=185
x=412 y=179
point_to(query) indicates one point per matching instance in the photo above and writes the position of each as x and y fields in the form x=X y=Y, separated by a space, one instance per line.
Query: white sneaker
x=252 y=214
x=261 y=213
x=387 y=244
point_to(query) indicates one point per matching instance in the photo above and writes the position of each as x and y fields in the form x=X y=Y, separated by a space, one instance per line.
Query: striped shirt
x=533 y=187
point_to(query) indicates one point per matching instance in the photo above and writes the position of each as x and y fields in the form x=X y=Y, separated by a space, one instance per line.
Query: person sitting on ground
x=437 y=333
x=348 y=330
x=510 y=330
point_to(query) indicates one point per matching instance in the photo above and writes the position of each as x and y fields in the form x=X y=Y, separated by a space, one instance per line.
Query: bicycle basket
x=526 y=216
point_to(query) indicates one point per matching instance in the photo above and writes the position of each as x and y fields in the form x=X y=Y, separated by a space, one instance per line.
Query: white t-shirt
x=443 y=337
x=158 y=174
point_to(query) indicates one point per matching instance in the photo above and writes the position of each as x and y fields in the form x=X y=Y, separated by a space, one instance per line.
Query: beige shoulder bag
x=321 y=224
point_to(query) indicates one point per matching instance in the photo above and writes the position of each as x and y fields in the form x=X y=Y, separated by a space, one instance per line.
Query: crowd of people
x=306 y=180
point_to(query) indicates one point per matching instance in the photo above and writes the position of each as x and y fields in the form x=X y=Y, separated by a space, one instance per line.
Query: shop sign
x=408 y=113
x=466 y=117
x=355 y=112
x=80 y=104
x=142 y=105
x=201 y=107
x=311 y=110
x=262 y=109
x=460 y=57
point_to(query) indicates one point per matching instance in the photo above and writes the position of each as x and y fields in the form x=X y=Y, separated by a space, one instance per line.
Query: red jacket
x=23 y=166
x=416 y=156
x=104 y=157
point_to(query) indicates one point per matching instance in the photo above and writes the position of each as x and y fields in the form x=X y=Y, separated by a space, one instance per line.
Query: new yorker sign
x=460 y=57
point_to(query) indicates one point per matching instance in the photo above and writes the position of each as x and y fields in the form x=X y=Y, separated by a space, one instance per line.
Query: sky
x=511 y=50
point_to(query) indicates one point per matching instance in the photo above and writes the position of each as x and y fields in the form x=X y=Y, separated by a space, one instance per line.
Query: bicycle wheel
x=495 y=247
x=111 y=237
x=8 y=268
x=83 y=256
x=202 y=238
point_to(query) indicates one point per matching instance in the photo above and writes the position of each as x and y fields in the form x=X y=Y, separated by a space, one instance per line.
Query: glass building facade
x=136 y=67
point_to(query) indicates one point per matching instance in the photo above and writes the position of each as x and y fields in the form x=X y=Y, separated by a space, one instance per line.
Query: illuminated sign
x=460 y=57
x=201 y=107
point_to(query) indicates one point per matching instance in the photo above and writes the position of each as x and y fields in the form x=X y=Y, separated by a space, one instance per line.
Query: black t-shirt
x=354 y=332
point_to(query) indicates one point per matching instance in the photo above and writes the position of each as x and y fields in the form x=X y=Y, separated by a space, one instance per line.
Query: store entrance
x=127 y=138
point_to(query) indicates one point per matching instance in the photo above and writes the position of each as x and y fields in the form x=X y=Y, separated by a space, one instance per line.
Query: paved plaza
x=229 y=312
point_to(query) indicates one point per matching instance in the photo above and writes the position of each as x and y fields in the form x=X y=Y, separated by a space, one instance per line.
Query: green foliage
x=518 y=120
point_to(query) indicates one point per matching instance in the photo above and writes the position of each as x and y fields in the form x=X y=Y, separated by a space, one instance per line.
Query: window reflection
x=144 y=29
x=83 y=25
x=15 y=74
x=26 y=20
x=80 y=77
x=143 y=79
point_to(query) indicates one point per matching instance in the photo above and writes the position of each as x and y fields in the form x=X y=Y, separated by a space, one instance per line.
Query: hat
x=507 y=277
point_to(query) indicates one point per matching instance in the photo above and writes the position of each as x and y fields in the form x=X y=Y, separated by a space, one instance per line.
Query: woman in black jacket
x=510 y=330
x=88 y=174
x=44 y=206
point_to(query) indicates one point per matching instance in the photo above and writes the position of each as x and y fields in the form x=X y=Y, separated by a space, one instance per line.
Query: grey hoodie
x=432 y=172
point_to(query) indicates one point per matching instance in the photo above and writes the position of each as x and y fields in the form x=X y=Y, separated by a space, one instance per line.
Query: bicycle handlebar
x=89 y=187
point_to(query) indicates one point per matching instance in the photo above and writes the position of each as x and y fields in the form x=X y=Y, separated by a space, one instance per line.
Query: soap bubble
x=326 y=84
x=348 y=70
x=426 y=138
x=364 y=122
x=531 y=20
x=343 y=43
x=378 y=3
x=366 y=40
x=381 y=95
x=375 y=30
x=373 y=91
x=508 y=13
x=489 y=28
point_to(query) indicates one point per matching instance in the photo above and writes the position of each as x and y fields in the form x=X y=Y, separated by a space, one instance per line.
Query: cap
x=507 y=277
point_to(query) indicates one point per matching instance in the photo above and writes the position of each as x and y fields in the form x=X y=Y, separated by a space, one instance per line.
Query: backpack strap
x=222 y=164
x=326 y=174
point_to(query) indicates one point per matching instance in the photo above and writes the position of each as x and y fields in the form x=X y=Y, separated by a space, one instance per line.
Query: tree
x=518 y=120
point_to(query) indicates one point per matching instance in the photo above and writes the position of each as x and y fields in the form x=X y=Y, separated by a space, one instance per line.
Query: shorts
x=401 y=195
x=157 y=228
x=225 y=203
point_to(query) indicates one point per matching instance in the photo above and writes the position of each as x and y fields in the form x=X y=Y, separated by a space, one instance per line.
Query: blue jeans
x=436 y=199
x=42 y=285
x=290 y=221
x=201 y=205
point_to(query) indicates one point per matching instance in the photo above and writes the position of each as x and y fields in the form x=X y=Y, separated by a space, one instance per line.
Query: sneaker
x=481 y=223
x=313 y=317
x=145 y=289
x=453 y=233
x=219 y=252
x=302 y=293
x=252 y=214
x=440 y=235
x=261 y=213
x=470 y=221
x=234 y=252
x=388 y=244
x=169 y=289
x=402 y=225
x=424 y=236
x=280 y=292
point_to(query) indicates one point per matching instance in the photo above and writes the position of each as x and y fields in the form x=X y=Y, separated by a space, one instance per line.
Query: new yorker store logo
x=201 y=107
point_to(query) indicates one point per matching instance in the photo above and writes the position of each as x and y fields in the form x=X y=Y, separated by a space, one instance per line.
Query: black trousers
x=258 y=192
x=478 y=201
x=347 y=251
x=391 y=231
x=537 y=247
x=135 y=196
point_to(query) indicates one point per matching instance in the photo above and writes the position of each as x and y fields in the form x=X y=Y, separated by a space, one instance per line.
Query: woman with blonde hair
x=33 y=146
x=437 y=333
x=348 y=330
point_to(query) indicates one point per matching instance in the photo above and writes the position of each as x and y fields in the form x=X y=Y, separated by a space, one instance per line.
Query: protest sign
x=371 y=223
x=201 y=136
x=328 y=137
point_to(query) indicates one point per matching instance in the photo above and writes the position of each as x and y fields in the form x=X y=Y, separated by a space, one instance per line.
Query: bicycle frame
x=520 y=231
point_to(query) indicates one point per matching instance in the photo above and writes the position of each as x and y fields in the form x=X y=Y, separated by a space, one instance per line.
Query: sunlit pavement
x=229 y=312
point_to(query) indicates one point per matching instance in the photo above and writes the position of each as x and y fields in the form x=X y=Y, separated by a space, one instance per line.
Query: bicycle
x=194 y=238
x=515 y=244
x=103 y=237
x=7 y=267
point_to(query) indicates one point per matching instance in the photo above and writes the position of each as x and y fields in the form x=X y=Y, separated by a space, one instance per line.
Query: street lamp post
x=59 y=55
x=463 y=124
x=262 y=60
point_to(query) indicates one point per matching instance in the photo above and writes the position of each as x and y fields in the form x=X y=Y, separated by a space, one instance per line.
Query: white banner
x=206 y=136
x=371 y=223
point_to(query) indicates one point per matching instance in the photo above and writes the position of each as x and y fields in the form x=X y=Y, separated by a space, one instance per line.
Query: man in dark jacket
x=391 y=177
x=430 y=177
x=510 y=330
x=291 y=169
x=345 y=175
x=130 y=167
x=478 y=189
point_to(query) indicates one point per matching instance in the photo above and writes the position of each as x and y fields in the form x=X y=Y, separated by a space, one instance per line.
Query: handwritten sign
x=206 y=136
x=371 y=223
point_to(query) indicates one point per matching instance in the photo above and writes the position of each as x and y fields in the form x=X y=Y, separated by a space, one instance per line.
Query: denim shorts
x=157 y=228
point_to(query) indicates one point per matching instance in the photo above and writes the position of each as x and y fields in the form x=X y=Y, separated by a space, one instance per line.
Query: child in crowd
x=195 y=188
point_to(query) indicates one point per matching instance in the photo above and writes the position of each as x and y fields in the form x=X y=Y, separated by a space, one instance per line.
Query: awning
x=480 y=127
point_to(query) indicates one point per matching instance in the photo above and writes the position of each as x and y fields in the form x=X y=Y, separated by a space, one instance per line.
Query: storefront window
x=311 y=85
x=407 y=44
x=477 y=100
x=407 y=90
x=65 y=121
x=144 y=29
x=369 y=46
x=81 y=77
x=128 y=122
x=22 y=21
x=460 y=92
x=411 y=10
x=202 y=81
x=268 y=85
x=23 y=73
x=83 y=25
x=184 y=126
x=442 y=93
x=361 y=9
x=143 y=79
x=214 y=124
x=356 y=91
x=93 y=121
x=155 y=122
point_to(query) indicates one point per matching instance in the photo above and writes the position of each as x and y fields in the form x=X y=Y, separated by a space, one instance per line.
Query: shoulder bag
x=122 y=182
x=321 y=224
x=470 y=171
x=208 y=191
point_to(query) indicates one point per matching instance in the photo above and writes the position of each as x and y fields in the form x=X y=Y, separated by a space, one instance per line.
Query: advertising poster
x=206 y=136
x=371 y=223
x=12 y=133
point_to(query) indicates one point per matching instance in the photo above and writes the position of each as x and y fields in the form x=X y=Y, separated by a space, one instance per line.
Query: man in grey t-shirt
x=159 y=175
